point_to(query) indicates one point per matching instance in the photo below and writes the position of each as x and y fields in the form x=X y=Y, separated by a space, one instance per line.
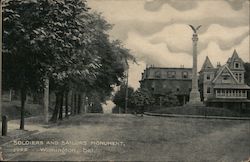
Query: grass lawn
x=12 y=109
x=146 y=139
x=208 y=111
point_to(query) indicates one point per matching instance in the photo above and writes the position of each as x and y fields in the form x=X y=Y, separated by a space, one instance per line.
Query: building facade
x=161 y=80
x=223 y=83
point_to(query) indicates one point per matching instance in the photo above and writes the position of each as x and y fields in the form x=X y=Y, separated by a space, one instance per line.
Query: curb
x=197 y=116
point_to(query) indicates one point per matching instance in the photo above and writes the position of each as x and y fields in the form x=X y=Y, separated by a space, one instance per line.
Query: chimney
x=218 y=64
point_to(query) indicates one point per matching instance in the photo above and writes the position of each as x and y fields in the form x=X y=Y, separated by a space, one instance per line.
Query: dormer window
x=236 y=65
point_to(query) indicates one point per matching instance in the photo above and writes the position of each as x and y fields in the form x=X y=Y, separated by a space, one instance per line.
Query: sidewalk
x=15 y=134
x=32 y=125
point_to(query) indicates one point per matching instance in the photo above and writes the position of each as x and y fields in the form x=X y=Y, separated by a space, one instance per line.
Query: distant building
x=161 y=80
x=223 y=84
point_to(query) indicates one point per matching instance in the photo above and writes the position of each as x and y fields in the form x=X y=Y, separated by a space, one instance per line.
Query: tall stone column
x=194 y=94
x=195 y=98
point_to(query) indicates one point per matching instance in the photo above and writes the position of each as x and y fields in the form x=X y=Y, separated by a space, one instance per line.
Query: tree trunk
x=61 y=106
x=66 y=104
x=79 y=103
x=84 y=103
x=72 y=103
x=75 y=104
x=10 y=95
x=46 y=101
x=23 y=99
x=56 y=109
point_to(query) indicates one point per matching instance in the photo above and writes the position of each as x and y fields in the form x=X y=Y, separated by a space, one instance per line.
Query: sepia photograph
x=125 y=80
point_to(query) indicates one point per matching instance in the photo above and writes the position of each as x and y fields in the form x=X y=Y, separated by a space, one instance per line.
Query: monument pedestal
x=195 y=99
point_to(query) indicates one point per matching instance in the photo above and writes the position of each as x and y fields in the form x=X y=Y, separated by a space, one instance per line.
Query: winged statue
x=195 y=29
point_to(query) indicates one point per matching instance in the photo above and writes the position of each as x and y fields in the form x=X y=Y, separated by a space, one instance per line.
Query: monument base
x=195 y=99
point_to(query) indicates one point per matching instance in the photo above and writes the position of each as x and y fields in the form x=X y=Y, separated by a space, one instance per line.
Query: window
x=208 y=77
x=208 y=90
x=171 y=74
x=237 y=76
x=184 y=74
x=226 y=77
x=236 y=65
x=158 y=74
x=240 y=78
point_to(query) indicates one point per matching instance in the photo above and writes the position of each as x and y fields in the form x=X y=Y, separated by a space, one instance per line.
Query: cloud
x=182 y=5
x=119 y=10
x=132 y=16
x=157 y=54
x=177 y=37
x=135 y=71
x=155 y=5
x=216 y=54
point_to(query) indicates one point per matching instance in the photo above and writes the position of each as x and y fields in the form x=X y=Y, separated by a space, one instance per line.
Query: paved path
x=127 y=137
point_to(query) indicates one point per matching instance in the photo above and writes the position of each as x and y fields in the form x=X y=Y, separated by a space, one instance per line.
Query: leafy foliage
x=119 y=98
x=142 y=98
x=168 y=99
x=247 y=73
x=63 y=41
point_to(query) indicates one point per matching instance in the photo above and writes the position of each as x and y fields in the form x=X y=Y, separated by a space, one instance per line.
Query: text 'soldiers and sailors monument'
x=195 y=98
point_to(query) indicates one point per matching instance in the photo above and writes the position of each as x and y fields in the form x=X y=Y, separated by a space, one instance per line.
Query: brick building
x=161 y=80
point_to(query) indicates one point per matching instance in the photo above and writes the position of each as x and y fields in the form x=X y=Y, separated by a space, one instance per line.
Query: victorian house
x=223 y=84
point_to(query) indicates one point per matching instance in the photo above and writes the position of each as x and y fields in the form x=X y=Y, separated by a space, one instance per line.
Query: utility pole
x=1 y=45
x=126 y=94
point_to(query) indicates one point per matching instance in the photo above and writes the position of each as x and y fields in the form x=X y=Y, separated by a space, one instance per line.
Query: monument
x=194 y=98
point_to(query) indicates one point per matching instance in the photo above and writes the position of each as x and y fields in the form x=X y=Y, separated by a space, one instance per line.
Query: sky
x=157 y=31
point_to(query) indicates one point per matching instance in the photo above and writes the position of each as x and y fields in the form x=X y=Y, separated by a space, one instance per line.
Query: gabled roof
x=235 y=58
x=207 y=64
x=221 y=70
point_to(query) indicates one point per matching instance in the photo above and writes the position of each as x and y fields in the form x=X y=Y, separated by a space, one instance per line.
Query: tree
x=119 y=98
x=142 y=98
x=247 y=73
x=63 y=41
x=47 y=39
x=22 y=69
x=167 y=99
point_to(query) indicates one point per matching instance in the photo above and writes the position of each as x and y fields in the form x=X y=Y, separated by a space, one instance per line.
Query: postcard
x=125 y=80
